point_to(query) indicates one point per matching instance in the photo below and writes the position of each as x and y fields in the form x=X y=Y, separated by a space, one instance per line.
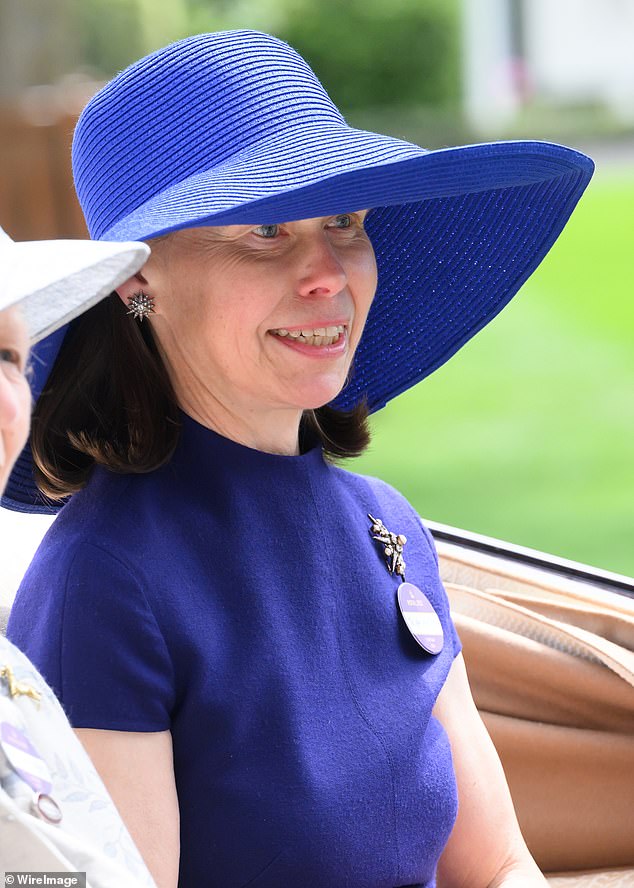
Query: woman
x=292 y=711
x=55 y=813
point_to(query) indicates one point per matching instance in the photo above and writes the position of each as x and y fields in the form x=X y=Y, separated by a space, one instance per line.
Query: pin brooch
x=417 y=611
x=18 y=688
x=392 y=546
x=141 y=305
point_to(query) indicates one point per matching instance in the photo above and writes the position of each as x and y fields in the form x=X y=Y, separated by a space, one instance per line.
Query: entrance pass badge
x=420 y=618
x=418 y=614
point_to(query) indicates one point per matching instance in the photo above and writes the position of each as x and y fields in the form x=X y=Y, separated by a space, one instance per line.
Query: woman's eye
x=9 y=356
x=344 y=220
x=12 y=362
x=267 y=231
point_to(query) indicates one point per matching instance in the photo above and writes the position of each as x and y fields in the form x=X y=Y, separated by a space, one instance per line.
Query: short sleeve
x=100 y=647
x=457 y=644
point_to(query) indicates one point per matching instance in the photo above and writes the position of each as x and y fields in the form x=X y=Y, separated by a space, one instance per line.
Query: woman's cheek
x=22 y=394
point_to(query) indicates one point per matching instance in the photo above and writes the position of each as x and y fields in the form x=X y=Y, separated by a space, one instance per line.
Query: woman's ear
x=131 y=287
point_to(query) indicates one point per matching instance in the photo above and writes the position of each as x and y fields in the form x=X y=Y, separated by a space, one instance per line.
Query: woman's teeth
x=316 y=336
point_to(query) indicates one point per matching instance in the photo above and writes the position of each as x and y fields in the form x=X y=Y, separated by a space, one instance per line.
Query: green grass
x=528 y=433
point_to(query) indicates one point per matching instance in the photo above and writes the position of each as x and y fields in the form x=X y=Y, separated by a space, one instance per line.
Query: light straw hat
x=53 y=281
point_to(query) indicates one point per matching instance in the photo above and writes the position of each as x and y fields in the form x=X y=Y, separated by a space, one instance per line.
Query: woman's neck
x=269 y=428
x=270 y=431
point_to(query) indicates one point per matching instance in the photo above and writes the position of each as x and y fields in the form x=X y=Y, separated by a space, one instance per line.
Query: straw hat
x=234 y=127
x=54 y=281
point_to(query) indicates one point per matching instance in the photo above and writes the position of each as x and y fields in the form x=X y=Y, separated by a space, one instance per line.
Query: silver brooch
x=141 y=305
x=392 y=545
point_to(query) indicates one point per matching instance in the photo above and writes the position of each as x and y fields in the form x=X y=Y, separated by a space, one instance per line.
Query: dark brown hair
x=109 y=401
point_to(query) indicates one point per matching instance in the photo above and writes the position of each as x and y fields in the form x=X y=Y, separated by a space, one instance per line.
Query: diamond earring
x=141 y=305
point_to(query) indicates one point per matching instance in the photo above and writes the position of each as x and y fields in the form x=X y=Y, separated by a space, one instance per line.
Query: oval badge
x=420 y=618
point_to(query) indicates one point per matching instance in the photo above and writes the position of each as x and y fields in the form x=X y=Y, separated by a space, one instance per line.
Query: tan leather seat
x=551 y=664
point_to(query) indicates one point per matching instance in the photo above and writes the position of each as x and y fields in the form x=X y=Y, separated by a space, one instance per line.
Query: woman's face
x=15 y=395
x=263 y=316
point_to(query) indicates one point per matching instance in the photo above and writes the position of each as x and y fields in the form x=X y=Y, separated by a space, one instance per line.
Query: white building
x=561 y=52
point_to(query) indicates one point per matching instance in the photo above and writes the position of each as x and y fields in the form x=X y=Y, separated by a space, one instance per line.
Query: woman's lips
x=326 y=341
x=316 y=336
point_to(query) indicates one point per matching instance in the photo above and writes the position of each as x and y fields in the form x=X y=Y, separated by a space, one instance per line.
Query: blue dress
x=237 y=599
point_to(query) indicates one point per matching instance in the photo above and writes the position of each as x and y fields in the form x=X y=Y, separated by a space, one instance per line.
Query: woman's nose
x=321 y=270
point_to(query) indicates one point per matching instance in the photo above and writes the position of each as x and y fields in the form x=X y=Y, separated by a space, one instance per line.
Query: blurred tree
x=375 y=53
x=368 y=52
x=163 y=24
x=110 y=33
x=38 y=43
x=219 y=15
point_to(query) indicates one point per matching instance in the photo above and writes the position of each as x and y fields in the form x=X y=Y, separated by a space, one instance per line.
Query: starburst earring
x=141 y=305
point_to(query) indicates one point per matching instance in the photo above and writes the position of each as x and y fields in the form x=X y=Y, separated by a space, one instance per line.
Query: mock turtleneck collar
x=207 y=452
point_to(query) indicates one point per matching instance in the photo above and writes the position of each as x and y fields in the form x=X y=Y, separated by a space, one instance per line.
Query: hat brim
x=456 y=231
x=326 y=169
x=54 y=281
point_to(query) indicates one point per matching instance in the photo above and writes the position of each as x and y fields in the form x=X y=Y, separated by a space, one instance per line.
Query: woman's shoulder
x=107 y=514
x=368 y=485
x=107 y=494
x=394 y=509
x=83 y=554
x=85 y=601
x=109 y=543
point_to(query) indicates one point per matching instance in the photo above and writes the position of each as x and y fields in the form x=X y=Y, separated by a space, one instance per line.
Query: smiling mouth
x=313 y=336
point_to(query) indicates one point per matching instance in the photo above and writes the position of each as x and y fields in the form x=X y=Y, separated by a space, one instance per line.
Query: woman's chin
x=314 y=396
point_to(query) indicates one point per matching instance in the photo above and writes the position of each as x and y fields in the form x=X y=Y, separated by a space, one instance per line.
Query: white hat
x=54 y=281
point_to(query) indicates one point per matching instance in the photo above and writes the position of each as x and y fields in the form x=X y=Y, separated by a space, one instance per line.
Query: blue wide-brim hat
x=235 y=128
